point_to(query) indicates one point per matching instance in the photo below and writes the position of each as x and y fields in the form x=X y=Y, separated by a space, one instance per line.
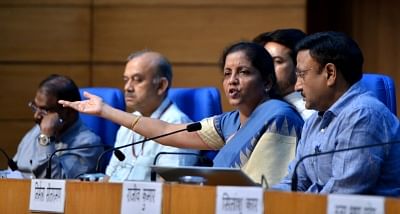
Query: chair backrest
x=197 y=103
x=106 y=129
x=383 y=88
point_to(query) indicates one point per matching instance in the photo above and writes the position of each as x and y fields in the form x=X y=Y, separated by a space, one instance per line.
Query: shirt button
x=322 y=130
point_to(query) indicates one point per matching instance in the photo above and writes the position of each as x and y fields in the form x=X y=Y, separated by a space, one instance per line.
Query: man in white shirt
x=147 y=78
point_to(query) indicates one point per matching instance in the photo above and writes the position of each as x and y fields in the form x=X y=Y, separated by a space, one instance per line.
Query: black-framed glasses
x=41 y=111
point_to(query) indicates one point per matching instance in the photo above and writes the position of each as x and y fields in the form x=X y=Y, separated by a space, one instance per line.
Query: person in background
x=57 y=127
x=147 y=78
x=281 y=45
x=329 y=70
x=259 y=137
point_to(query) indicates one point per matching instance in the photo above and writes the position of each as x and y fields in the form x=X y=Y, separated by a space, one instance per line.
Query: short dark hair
x=61 y=87
x=259 y=58
x=287 y=37
x=336 y=48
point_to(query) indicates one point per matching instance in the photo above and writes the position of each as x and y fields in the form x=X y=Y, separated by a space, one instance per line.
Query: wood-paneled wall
x=89 y=40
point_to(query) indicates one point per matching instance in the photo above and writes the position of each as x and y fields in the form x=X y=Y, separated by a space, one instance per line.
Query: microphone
x=120 y=156
x=48 y=169
x=203 y=160
x=318 y=153
x=10 y=162
x=190 y=128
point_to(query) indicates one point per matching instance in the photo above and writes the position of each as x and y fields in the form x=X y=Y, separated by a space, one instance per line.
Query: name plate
x=141 y=197
x=240 y=200
x=355 y=204
x=47 y=195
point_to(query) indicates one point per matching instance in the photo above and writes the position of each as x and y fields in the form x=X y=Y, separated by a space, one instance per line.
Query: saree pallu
x=273 y=117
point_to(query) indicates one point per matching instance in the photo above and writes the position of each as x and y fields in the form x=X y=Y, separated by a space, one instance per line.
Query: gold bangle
x=135 y=121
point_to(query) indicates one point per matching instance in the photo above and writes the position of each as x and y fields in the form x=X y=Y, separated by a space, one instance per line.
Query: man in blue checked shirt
x=329 y=69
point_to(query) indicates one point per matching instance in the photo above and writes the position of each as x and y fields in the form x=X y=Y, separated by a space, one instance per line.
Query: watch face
x=44 y=140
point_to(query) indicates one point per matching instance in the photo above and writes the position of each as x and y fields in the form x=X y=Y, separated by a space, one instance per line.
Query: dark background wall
x=373 y=24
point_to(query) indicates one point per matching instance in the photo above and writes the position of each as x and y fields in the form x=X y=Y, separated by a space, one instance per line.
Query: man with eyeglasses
x=56 y=128
x=349 y=119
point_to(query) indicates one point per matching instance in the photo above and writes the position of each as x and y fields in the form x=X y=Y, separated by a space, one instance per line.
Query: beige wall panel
x=197 y=76
x=18 y=85
x=44 y=34
x=191 y=34
x=108 y=75
x=184 y=76
x=203 y=2
x=12 y=133
x=44 y=2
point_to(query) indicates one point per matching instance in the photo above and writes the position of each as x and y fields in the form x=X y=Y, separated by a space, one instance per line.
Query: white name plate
x=247 y=200
x=355 y=204
x=47 y=195
x=141 y=197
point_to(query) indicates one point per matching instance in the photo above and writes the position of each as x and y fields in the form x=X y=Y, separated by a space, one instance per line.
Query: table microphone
x=10 y=162
x=48 y=169
x=318 y=153
x=203 y=160
x=190 y=128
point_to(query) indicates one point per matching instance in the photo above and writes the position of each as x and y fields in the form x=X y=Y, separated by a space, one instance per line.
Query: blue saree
x=240 y=141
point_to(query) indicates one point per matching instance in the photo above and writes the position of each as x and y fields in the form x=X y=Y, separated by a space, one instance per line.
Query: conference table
x=99 y=197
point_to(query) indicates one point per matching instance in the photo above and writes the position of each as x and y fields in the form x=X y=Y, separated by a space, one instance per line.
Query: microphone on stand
x=10 y=162
x=120 y=156
x=48 y=169
x=318 y=153
x=190 y=128
x=203 y=160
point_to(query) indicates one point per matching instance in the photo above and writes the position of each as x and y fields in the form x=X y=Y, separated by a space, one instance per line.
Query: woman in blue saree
x=259 y=137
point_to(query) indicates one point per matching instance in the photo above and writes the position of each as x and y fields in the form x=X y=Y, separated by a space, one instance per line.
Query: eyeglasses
x=301 y=73
x=39 y=110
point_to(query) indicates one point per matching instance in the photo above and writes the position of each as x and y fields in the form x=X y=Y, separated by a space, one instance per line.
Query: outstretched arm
x=145 y=126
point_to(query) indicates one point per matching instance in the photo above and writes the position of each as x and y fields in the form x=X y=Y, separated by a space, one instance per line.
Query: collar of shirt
x=166 y=103
x=327 y=116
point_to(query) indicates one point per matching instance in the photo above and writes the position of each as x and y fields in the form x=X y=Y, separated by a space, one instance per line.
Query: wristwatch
x=45 y=140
